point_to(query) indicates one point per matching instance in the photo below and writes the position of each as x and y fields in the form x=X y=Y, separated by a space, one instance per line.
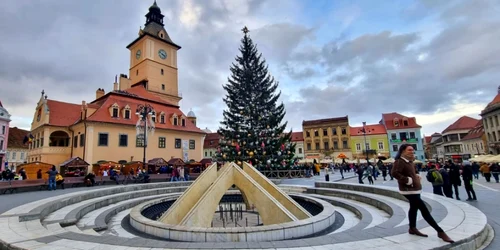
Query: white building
x=490 y=115
x=453 y=135
x=17 y=150
x=298 y=139
x=474 y=142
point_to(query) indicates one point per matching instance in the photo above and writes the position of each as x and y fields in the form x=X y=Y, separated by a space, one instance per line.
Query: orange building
x=106 y=128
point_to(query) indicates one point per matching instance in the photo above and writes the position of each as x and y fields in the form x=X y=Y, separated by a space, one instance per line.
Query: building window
x=123 y=140
x=358 y=146
x=403 y=136
x=175 y=121
x=163 y=87
x=412 y=135
x=393 y=136
x=153 y=118
x=367 y=146
x=308 y=134
x=211 y=153
x=115 y=113
x=335 y=144
x=103 y=139
x=3 y=129
x=22 y=155
x=139 y=141
x=334 y=131
x=206 y=153
x=380 y=145
x=14 y=155
x=317 y=146
x=308 y=146
x=183 y=121
x=161 y=71
x=162 y=141
x=485 y=122
x=405 y=123
x=326 y=145
x=344 y=144
x=344 y=131
x=82 y=140
x=75 y=141
x=316 y=133
x=396 y=122
x=394 y=147
x=192 y=144
x=325 y=132
x=127 y=114
x=300 y=150
x=162 y=119
x=178 y=143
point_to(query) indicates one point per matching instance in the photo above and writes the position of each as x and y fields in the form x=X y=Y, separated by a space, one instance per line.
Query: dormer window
x=175 y=121
x=396 y=122
x=405 y=122
x=162 y=118
x=114 y=110
x=127 y=114
x=183 y=121
x=115 y=113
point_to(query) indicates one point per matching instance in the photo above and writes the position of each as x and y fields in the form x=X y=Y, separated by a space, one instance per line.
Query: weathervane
x=245 y=30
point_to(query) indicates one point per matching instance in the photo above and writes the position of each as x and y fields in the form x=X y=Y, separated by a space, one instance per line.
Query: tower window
x=161 y=71
x=163 y=87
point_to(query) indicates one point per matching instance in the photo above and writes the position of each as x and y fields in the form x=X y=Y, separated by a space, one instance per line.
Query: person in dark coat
x=447 y=189
x=467 y=177
x=383 y=168
x=454 y=177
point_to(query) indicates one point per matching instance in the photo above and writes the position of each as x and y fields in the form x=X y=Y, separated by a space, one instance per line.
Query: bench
x=74 y=181
x=12 y=186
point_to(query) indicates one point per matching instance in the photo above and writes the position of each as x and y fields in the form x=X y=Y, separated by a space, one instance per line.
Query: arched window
x=396 y=122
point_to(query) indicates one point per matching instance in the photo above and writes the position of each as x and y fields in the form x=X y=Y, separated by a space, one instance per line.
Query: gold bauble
x=250 y=153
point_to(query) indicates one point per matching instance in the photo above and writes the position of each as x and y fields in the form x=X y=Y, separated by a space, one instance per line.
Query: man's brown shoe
x=445 y=237
x=415 y=231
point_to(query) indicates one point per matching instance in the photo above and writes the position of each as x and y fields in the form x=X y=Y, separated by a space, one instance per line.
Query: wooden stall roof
x=106 y=163
x=205 y=161
x=176 y=162
x=35 y=163
x=157 y=162
x=74 y=162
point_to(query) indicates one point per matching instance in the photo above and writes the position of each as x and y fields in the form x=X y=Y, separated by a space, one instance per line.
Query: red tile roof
x=297 y=136
x=391 y=117
x=491 y=106
x=374 y=129
x=476 y=132
x=325 y=121
x=63 y=113
x=428 y=139
x=140 y=91
x=464 y=122
x=212 y=137
x=16 y=137
x=102 y=113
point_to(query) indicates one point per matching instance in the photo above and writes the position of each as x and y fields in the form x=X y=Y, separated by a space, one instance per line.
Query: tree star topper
x=245 y=30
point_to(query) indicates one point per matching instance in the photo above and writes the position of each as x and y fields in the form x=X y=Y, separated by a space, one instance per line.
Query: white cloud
x=190 y=14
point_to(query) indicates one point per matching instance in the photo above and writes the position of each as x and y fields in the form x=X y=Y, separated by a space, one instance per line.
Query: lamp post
x=364 y=135
x=142 y=127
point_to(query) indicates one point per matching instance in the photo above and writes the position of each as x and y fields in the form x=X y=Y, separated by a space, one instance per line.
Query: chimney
x=124 y=82
x=99 y=93
x=115 y=84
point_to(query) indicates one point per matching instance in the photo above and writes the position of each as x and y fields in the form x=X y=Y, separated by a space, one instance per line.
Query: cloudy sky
x=436 y=60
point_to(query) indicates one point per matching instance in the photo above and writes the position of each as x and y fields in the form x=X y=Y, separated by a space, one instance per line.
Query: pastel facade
x=105 y=128
x=298 y=139
x=491 y=116
x=210 y=145
x=475 y=141
x=4 y=135
x=327 y=138
x=374 y=141
x=403 y=130
x=452 y=143
x=17 y=150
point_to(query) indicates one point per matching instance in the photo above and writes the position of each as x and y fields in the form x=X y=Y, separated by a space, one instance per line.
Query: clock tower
x=153 y=58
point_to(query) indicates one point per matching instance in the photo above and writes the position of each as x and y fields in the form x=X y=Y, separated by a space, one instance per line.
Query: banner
x=185 y=150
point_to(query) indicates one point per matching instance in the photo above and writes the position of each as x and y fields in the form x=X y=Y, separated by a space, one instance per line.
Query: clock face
x=162 y=54
x=138 y=54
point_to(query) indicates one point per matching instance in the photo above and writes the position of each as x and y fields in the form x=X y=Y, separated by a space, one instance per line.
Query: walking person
x=410 y=186
x=327 y=175
x=383 y=167
x=52 y=178
x=485 y=170
x=434 y=177
x=454 y=177
x=447 y=188
x=467 y=176
x=475 y=170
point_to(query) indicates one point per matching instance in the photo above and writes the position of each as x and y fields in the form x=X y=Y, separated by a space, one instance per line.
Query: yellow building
x=374 y=141
x=326 y=138
x=105 y=128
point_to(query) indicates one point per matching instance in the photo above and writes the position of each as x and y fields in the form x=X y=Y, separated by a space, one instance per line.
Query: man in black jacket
x=454 y=172
x=467 y=177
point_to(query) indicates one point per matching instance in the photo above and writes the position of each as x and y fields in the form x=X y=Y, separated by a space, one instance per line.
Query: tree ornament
x=282 y=147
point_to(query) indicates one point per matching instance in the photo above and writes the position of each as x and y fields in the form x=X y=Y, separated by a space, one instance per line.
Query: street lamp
x=144 y=126
x=364 y=135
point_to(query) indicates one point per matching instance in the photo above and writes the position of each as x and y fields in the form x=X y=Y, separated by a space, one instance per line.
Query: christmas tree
x=252 y=129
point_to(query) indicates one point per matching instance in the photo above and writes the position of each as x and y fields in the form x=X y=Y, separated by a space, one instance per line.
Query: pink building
x=4 y=134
